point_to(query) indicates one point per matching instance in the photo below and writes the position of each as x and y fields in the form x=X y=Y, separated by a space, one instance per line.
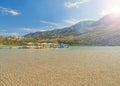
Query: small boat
x=63 y=46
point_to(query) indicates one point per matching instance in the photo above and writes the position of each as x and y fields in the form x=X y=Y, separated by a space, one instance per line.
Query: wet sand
x=92 y=66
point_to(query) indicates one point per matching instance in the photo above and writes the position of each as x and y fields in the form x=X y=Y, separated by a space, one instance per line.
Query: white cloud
x=50 y=23
x=14 y=34
x=7 y=11
x=53 y=25
x=65 y=23
x=4 y=32
x=9 y=34
x=74 y=3
x=103 y=13
x=43 y=30
x=29 y=30
x=72 y=21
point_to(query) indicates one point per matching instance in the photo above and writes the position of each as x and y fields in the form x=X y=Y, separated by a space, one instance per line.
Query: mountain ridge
x=105 y=31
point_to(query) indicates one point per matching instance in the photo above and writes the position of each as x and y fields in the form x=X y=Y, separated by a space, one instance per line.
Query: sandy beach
x=92 y=66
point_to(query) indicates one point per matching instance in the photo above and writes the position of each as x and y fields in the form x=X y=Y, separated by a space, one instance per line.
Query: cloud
x=74 y=3
x=53 y=25
x=65 y=23
x=50 y=23
x=9 y=34
x=14 y=34
x=27 y=29
x=8 y=11
x=30 y=30
x=5 y=32
x=103 y=13
x=72 y=21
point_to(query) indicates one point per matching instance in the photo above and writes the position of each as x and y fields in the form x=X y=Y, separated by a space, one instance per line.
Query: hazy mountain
x=111 y=19
x=105 y=31
x=83 y=26
x=75 y=30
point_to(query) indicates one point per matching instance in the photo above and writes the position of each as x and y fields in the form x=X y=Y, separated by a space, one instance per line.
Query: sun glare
x=111 y=7
x=115 y=10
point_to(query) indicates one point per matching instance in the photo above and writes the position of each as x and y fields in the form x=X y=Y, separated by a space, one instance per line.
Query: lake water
x=75 y=66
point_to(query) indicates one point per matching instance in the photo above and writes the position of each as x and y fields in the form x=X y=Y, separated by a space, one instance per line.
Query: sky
x=19 y=17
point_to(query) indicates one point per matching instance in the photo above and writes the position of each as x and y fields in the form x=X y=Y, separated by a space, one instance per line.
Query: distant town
x=18 y=42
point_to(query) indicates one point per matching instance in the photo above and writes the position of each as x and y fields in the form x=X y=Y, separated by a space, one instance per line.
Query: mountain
x=75 y=30
x=111 y=19
x=105 y=31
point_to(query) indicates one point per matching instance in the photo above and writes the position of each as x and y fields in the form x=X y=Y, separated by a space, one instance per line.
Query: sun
x=111 y=7
x=115 y=10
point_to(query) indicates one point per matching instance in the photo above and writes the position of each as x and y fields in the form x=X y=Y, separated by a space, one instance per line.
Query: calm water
x=76 y=66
